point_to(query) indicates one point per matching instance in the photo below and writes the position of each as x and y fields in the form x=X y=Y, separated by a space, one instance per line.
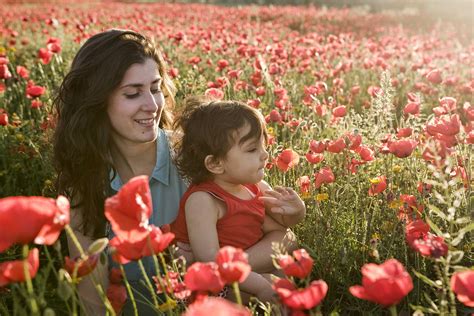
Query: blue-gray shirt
x=166 y=188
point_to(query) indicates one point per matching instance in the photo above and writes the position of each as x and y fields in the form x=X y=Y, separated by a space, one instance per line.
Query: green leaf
x=434 y=227
x=426 y=280
x=437 y=211
x=64 y=290
x=456 y=256
x=462 y=220
x=461 y=234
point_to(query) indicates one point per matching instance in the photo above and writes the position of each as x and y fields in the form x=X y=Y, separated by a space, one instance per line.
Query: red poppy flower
x=404 y=132
x=365 y=153
x=216 y=306
x=42 y=220
x=378 y=187
x=129 y=210
x=287 y=159
x=84 y=266
x=5 y=72
x=412 y=108
x=275 y=116
x=434 y=76
x=301 y=299
x=324 y=175
x=214 y=93
x=304 y=183
x=339 y=111
x=354 y=140
x=299 y=265
x=462 y=283
x=22 y=72
x=35 y=91
x=314 y=158
x=317 y=146
x=415 y=230
x=117 y=295
x=3 y=119
x=13 y=271
x=402 y=148
x=431 y=246
x=124 y=250
x=45 y=55
x=336 y=146
x=233 y=264
x=204 y=277
x=448 y=126
x=115 y=276
x=385 y=284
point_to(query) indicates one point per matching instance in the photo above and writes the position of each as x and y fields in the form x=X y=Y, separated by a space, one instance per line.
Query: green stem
x=393 y=310
x=235 y=285
x=29 y=284
x=148 y=283
x=74 y=240
x=129 y=291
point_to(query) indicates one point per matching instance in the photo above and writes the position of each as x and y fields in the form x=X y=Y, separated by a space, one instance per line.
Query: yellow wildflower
x=395 y=204
x=20 y=137
x=270 y=130
x=397 y=168
x=375 y=180
x=322 y=197
x=48 y=183
x=169 y=305
x=305 y=195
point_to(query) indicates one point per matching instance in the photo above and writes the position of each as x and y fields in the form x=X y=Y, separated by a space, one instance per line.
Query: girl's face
x=135 y=106
x=245 y=163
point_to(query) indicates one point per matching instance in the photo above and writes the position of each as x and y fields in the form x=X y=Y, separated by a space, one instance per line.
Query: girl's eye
x=155 y=91
x=252 y=150
x=132 y=96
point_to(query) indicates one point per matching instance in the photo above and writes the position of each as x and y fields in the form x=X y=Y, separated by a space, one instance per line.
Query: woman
x=113 y=109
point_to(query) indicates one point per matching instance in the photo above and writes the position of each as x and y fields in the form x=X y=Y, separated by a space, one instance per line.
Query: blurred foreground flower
x=299 y=265
x=385 y=284
x=216 y=306
x=14 y=271
x=462 y=283
x=42 y=220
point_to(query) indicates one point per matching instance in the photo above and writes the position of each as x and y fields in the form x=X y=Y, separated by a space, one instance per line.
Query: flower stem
x=148 y=283
x=74 y=240
x=235 y=285
x=130 y=292
x=29 y=284
x=393 y=310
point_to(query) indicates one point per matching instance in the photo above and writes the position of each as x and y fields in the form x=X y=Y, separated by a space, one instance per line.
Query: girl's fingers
x=273 y=193
x=271 y=200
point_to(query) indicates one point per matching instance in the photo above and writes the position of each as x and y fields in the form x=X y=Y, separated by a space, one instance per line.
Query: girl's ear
x=213 y=165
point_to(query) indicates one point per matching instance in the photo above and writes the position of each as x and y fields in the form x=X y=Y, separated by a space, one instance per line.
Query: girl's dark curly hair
x=208 y=128
x=82 y=139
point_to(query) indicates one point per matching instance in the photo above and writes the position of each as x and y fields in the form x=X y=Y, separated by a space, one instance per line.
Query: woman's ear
x=213 y=165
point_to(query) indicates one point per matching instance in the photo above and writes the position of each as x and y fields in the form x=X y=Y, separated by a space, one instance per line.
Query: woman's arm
x=260 y=254
x=283 y=204
x=88 y=294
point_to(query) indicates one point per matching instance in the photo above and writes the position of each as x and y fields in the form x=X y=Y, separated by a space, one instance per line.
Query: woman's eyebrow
x=138 y=85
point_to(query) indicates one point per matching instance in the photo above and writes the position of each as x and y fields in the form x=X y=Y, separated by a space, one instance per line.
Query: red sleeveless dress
x=240 y=227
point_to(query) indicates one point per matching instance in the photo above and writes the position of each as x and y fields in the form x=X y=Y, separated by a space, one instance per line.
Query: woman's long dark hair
x=82 y=138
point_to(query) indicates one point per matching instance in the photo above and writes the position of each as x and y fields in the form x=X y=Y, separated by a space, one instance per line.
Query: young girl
x=222 y=152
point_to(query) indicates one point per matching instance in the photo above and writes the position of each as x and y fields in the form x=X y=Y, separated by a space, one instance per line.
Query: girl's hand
x=283 y=201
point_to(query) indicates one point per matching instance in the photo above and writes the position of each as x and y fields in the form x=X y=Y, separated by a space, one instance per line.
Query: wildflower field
x=371 y=120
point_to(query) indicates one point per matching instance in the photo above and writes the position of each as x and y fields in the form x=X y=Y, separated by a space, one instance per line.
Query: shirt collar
x=161 y=171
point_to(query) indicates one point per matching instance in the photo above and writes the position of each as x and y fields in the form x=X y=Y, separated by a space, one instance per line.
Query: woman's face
x=135 y=106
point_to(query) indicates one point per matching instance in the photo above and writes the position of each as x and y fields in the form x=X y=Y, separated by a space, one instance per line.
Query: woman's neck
x=134 y=160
